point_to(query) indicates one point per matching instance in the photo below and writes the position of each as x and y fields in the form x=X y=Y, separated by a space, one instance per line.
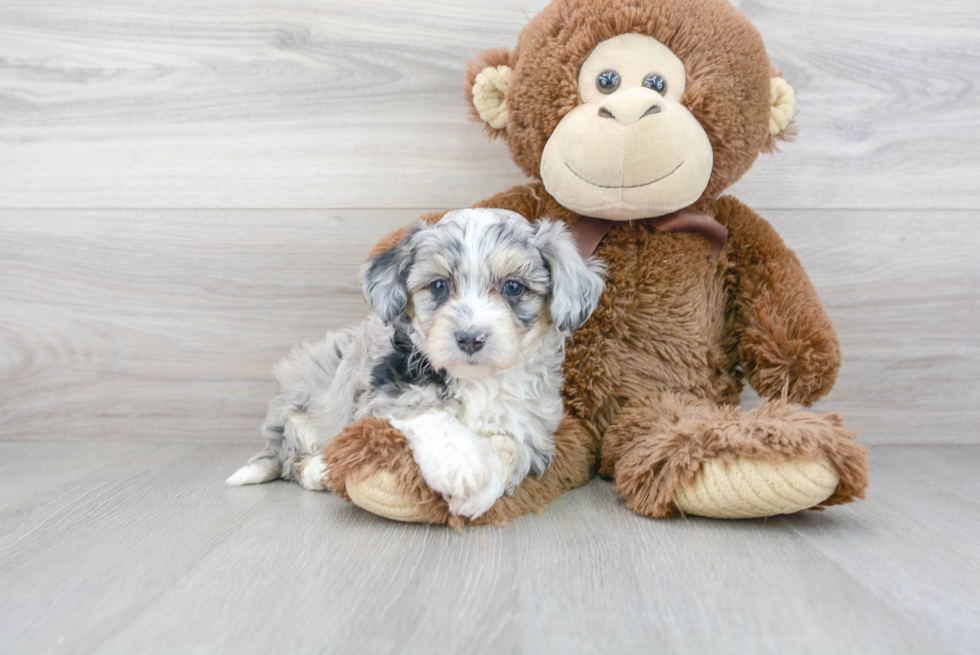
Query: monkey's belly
x=660 y=325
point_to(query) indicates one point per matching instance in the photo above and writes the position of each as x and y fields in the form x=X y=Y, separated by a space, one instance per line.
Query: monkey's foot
x=380 y=494
x=750 y=488
x=679 y=454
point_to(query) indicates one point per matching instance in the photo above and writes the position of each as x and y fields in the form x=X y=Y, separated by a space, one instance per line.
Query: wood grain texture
x=151 y=554
x=164 y=325
x=129 y=536
x=303 y=104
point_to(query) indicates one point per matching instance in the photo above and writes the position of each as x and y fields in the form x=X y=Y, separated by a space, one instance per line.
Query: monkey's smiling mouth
x=624 y=186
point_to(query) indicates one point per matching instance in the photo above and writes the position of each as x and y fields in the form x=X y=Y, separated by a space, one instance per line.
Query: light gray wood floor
x=138 y=548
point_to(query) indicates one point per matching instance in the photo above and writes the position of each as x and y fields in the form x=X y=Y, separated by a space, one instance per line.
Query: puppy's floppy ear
x=384 y=275
x=576 y=284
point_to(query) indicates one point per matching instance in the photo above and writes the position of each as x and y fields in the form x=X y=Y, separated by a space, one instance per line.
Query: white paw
x=454 y=462
x=259 y=471
x=514 y=461
x=456 y=469
x=473 y=505
x=313 y=471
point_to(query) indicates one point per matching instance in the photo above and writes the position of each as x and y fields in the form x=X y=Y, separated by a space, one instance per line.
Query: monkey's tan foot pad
x=750 y=488
x=379 y=495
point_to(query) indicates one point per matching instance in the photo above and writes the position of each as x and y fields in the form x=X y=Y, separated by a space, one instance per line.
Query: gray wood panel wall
x=187 y=188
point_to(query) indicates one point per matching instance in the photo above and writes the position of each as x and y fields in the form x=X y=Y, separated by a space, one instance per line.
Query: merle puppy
x=462 y=354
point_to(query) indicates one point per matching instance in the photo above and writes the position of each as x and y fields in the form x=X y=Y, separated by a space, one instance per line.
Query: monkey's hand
x=787 y=343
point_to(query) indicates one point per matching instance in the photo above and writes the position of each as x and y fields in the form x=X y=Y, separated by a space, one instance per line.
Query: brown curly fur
x=652 y=378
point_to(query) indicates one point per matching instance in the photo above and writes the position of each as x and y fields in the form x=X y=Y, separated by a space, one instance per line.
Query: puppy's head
x=482 y=286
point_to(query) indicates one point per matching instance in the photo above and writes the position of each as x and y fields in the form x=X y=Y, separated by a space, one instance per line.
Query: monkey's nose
x=629 y=115
x=470 y=342
x=655 y=109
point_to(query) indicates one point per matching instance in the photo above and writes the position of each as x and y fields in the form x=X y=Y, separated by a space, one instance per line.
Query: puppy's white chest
x=516 y=404
x=480 y=407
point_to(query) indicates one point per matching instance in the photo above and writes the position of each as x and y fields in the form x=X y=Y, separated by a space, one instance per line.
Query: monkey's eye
x=513 y=289
x=607 y=82
x=439 y=288
x=655 y=82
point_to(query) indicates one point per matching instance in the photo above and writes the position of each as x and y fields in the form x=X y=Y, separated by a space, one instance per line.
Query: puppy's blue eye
x=607 y=82
x=439 y=288
x=655 y=82
x=513 y=289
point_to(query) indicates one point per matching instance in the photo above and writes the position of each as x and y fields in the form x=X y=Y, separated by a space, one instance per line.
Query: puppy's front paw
x=454 y=462
x=457 y=469
x=451 y=459
x=514 y=462
x=474 y=505
x=471 y=482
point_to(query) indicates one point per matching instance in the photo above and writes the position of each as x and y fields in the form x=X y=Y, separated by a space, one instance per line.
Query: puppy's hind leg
x=265 y=465
x=304 y=381
x=257 y=472
x=311 y=472
x=296 y=452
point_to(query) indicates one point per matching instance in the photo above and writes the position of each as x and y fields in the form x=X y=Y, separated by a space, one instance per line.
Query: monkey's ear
x=485 y=89
x=782 y=110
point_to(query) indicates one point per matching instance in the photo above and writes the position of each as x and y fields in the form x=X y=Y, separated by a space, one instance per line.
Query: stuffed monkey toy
x=634 y=116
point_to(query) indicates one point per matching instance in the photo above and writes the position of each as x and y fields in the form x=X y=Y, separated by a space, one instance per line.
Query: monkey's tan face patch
x=631 y=150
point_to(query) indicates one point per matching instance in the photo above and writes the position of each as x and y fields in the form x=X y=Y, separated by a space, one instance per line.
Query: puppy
x=462 y=354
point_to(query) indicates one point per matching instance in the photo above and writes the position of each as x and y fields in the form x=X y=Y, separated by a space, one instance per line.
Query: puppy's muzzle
x=470 y=342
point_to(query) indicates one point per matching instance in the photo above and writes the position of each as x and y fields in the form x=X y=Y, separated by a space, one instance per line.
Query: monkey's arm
x=786 y=339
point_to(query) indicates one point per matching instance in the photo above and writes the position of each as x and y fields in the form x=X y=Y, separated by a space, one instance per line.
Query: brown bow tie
x=588 y=231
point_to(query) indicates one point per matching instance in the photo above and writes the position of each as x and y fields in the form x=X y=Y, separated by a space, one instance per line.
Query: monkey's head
x=631 y=109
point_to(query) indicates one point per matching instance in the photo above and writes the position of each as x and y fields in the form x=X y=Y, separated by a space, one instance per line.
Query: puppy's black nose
x=470 y=342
